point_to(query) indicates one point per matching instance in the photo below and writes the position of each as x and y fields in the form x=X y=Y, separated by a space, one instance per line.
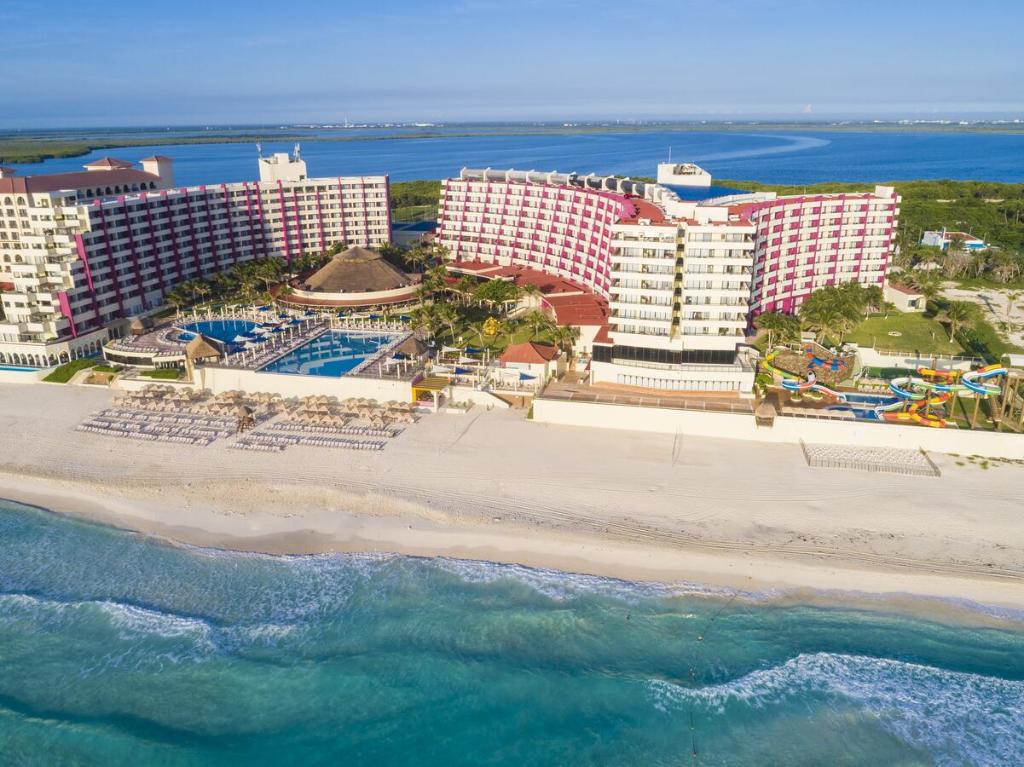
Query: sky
x=70 y=63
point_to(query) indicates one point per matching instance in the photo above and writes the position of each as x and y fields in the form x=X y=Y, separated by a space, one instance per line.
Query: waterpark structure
x=928 y=398
x=815 y=359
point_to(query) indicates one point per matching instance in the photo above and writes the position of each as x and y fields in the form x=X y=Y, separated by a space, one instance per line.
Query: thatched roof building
x=358 y=270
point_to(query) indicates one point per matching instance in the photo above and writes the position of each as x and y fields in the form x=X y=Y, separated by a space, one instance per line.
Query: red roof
x=109 y=163
x=602 y=336
x=585 y=309
x=645 y=209
x=54 y=182
x=529 y=353
x=158 y=158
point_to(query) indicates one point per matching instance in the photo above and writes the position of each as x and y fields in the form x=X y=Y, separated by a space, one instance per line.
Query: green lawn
x=918 y=334
x=67 y=371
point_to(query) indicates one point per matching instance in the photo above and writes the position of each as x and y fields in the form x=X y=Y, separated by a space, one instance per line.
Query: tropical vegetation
x=833 y=311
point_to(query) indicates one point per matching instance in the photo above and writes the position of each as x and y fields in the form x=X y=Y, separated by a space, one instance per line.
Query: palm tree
x=463 y=288
x=958 y=314
x=496 y=292
x=447 y=315
x=529 y=290
x=565 y=336
x=176 y=298
x=540 y=324
x=200 y=288
x=785 y=325
x=426 y=318
x=873 y=298
x=417 y=258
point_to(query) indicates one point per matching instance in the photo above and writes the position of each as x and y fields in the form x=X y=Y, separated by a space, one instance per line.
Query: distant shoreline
x=36 y=146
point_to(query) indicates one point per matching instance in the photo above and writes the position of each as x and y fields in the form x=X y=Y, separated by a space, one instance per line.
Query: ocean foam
x=958 y=717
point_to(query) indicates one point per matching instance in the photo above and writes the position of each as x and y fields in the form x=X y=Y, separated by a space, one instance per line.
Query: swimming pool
x=224 y=331
x=18 y=369
x=863 y=405
x=332 y=354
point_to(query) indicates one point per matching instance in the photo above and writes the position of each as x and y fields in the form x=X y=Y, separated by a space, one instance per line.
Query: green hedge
x=163 y=375
x=67 y=371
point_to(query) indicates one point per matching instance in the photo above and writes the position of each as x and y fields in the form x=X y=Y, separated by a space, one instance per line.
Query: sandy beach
x=493 y=486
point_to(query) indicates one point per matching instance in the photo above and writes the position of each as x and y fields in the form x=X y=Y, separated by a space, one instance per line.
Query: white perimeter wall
x=786 y=429
x=24 y=376
x=225 y=379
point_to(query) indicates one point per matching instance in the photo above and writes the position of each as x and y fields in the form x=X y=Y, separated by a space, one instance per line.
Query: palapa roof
x=358 y=270
x=200 y=349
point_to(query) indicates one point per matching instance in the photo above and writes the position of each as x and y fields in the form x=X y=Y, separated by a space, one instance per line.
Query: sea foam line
x=958 y=717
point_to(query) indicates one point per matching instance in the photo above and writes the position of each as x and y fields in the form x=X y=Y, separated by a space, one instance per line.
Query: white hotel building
x=683 y=279
x=80 y=252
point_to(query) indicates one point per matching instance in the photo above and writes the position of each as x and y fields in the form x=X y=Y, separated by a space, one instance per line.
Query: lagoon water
x=786 y=158
x=117 y=649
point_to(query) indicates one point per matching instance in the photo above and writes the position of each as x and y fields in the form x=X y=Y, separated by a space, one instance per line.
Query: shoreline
x=968 y=597
x=79 y=145
x=492 y=486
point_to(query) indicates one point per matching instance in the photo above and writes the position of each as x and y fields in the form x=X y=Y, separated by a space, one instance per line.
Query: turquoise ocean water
x=120 y=650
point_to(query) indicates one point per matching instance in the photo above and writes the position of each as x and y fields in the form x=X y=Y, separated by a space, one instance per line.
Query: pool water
x=18 y=369
x=224 y=331
x=332 y=354
x=863 y=405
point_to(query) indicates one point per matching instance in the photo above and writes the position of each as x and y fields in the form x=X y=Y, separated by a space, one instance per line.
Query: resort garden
x=484 y=315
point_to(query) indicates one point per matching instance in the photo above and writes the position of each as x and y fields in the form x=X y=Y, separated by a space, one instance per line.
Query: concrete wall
x=226 y=379
x=786 y=429
x=477 y=397
x=23 y=376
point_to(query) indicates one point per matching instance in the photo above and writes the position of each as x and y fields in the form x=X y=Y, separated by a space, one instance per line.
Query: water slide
x=923 y=394
x=914 y=412
x=972 y=379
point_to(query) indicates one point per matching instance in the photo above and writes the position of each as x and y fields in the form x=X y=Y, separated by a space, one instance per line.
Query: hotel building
x=683 y=279
x=80 y=252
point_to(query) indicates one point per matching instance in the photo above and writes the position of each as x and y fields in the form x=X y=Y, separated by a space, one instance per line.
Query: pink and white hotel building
x=80 y=252
x=682 y=279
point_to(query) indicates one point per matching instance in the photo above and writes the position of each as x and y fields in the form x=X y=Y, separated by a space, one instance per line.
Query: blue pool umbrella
x=404 y=317
x=296 y=321
x=310 y=312
x=263 y=309
x=278 y=330
x=400 y=356
x=473 y=350
x=463 y=371
x=374 y=316
x=283 y=315
x=525 y=377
